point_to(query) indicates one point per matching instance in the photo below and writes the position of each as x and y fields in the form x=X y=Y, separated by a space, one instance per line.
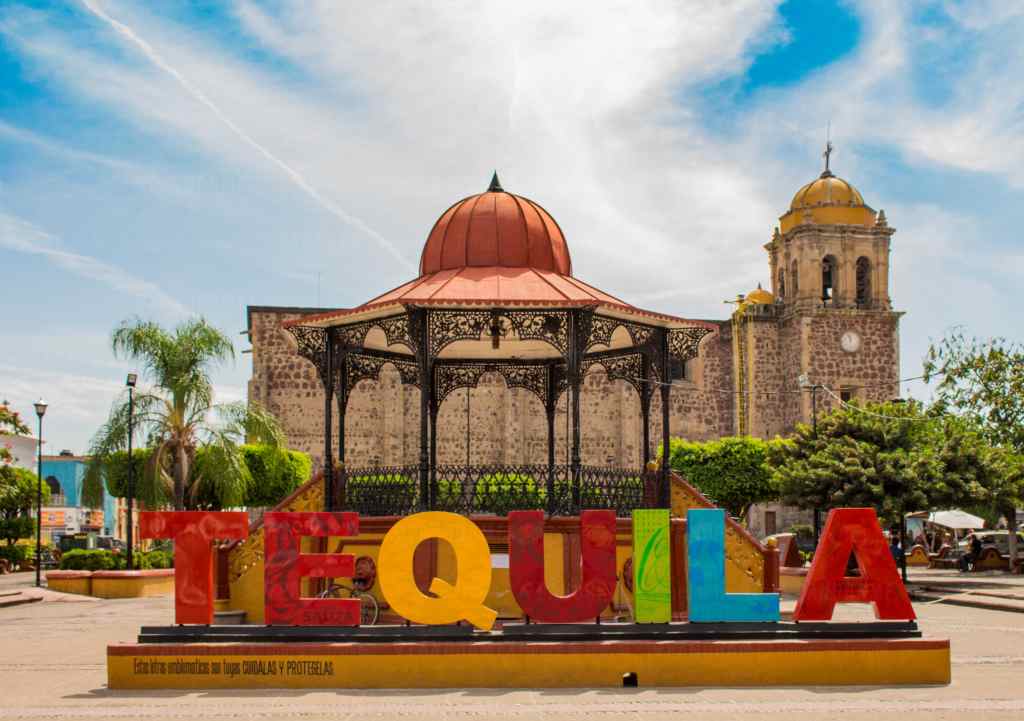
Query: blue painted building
x=63 y=512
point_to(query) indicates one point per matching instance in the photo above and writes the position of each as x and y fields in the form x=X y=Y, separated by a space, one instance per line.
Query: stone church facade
x=825 y=333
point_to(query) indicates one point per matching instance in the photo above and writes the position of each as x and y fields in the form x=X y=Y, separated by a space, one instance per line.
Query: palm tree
x=177 y=415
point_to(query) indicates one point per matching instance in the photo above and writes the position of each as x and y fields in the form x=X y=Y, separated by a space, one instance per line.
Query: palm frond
x=220 y=476
x=112 y=436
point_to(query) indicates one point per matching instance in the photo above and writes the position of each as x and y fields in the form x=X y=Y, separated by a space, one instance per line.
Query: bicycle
x=369 y=609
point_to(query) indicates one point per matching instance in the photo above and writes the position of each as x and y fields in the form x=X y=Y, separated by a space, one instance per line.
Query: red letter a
x=856 y=530
x=193 y=532
x=526 y=567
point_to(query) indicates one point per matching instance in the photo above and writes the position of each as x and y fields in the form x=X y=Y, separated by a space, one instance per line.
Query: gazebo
x=496 y=293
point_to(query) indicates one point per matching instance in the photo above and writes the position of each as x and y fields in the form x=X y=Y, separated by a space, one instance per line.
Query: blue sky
x=164 y=160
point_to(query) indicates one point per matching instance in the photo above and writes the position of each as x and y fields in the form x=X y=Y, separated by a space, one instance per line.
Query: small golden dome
x=830 y=200
x=759 y=296
x=828 y=189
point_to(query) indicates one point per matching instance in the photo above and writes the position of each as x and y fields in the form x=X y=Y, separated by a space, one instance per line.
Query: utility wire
x=855 y=407
x=730 y=391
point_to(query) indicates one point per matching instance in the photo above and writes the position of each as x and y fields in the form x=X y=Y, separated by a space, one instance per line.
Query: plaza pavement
x=52 y=667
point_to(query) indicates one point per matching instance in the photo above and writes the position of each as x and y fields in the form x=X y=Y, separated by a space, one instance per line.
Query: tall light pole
x=40 y=412
x=130 y=382
x=805 y=384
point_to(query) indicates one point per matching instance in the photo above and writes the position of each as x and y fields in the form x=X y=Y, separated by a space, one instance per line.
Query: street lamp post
x=40 y=412
x=130 y=382
x=806 y=384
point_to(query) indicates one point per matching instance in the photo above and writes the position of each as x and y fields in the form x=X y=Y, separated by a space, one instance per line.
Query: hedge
x=98 y=559
x=81 y=559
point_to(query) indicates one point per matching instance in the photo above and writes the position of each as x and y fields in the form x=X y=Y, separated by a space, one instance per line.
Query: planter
x=133 y=584
x=79 y=582
x=791 y=580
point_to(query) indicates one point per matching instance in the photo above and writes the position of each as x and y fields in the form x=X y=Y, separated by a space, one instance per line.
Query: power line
x=730 y=391
x=865 y=411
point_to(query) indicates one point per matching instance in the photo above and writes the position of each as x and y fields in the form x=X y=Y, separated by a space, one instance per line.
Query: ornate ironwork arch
x=312 y=344
x=683 y=342
x=603 y=327
x=627 y=366
x=396 y=329
x=449 y=377
x=448 y=326
x=360 y=366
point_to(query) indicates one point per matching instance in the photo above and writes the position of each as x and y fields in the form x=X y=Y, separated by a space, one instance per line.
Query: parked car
x=110 y=543
x=1001 y=540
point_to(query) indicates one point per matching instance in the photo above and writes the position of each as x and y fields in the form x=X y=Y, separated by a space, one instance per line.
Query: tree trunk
x=180 y=474
x=1011 y=522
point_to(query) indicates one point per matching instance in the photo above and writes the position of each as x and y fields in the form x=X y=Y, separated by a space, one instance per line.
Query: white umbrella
x=956 y=519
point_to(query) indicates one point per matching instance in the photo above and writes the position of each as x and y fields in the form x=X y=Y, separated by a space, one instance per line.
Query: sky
x=165 y=160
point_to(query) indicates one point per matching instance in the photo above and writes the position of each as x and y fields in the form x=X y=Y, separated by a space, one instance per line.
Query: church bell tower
x=826 y=334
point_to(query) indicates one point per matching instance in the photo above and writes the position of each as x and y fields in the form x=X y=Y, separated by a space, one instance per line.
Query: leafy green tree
x=17 y=497
x=734 y=471
x=983 y=380
x=893 y=457
x=178 y=416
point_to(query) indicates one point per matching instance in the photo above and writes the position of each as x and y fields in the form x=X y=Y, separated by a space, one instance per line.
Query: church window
x=794 y=278
x=828 y=279
x=863 y=282
x=782 y=282
x=846 y=394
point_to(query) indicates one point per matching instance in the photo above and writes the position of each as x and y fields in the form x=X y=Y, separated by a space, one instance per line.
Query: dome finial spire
x=828 y=151
x=495 y=186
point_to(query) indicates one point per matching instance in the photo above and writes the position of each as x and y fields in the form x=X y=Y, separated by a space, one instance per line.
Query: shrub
x=380 y=493
x=80 y=559
x=500 y=493
x=15 y=554
x=158 y=559
x=275 y=474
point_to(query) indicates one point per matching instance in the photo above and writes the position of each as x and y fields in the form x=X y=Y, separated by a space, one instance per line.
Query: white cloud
x=294 y=175
x=78 y=404
x=392 y=111
x=23 y=237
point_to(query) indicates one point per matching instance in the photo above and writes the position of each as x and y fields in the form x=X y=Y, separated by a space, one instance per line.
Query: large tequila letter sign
x=848 y=530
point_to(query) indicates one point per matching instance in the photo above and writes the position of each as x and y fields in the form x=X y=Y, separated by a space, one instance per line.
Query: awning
x=955 y=519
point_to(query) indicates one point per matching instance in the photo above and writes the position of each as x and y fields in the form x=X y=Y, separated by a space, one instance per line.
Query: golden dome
x=759 y=296
x=828 y=200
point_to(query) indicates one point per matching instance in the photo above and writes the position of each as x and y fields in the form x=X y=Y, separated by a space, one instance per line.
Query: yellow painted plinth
x=79 y=582
x=132 y=584
x=528 y=664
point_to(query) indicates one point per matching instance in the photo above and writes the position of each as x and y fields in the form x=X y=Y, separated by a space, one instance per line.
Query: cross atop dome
x=829 y=148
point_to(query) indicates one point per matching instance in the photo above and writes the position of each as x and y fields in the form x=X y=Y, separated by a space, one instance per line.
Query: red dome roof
x=496 y=228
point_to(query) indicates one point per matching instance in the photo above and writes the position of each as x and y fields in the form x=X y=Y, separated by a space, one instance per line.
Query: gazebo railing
x=495 y=489
x=380 y=491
